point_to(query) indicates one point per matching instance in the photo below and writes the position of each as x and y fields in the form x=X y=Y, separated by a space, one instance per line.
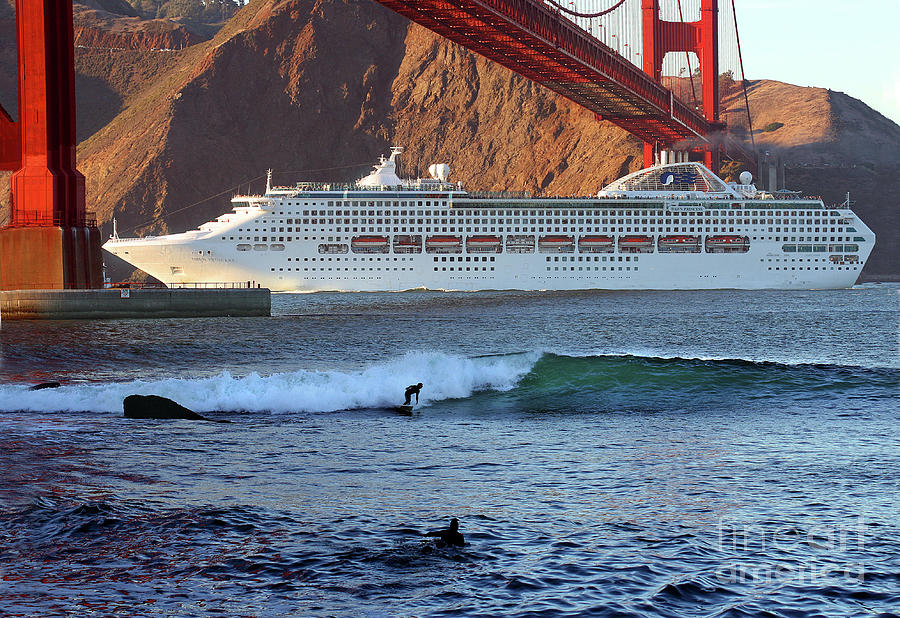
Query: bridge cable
x=577 y=14
x=687 y=56
x=737 y=35
x=206 y=199
x=235 y=187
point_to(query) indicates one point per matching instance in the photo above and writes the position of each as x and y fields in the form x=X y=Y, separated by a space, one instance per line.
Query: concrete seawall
x=133 y=303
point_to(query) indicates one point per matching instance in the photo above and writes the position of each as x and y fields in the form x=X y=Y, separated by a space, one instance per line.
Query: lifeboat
x=635 y=244
x=727 y=244
x=556 y=244
x=520 y=243
x=678 y=244
x=407 y=244
x=596 y=244
x=370 y=244
x=484 y=244
x=443 y=244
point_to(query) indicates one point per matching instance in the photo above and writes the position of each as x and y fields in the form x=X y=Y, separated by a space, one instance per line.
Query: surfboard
x=404 y=409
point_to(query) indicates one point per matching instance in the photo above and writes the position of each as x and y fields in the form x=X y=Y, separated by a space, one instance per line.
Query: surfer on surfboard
x=411 y=390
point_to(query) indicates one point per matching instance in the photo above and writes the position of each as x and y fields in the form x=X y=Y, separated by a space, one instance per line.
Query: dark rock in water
x=43 y=385
x=154 y=406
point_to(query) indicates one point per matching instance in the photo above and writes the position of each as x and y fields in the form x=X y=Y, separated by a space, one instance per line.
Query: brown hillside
x=303 y=85
x=101 y=30
x=310 y=85
x=821 y=127
x=832 y=143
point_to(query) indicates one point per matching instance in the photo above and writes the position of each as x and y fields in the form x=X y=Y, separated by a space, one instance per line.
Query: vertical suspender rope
x=573 y=13
x=687 y=55
x=737 y=35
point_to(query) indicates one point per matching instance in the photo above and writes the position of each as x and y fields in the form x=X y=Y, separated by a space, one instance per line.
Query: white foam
x=445 y=376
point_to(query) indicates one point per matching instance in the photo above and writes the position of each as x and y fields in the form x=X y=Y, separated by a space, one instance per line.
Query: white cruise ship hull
x=206 y=262
x=435 y=236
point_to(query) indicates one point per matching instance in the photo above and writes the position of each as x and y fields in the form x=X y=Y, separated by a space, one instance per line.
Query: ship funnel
x=439 y=171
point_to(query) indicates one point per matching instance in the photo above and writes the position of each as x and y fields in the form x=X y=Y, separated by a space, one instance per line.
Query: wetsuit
x=449 y=536
x=410 y=391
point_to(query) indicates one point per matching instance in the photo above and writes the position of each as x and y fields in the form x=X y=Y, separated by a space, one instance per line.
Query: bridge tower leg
x=49 y=242
x=702 y=38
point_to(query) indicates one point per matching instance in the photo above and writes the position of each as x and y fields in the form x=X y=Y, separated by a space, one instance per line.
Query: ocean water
x=721 y=453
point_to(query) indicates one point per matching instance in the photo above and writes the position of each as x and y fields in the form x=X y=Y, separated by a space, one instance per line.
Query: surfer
x=410 y=391
x=449 y=536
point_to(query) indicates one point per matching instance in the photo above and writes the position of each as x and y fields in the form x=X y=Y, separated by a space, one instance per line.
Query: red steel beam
x=529 y=38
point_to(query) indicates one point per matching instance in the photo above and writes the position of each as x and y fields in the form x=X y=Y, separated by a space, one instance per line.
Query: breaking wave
x=527 y=380
x=382 y=384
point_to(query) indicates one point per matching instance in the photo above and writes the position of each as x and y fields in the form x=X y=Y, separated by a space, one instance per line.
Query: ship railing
x=190 y=234
x=510 y=195
x=345 y=186
x=131 y=239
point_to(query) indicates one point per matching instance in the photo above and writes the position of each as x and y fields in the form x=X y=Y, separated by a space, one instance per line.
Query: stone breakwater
x=133 y=303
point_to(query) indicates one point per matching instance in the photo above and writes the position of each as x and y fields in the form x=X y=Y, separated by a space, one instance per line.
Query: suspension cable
x=234 y=188
x=737 y=35
x=206 y=199
x=577 y=14
x=687 y=56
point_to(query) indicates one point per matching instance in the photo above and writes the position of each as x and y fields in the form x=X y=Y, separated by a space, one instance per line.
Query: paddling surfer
x=449 y=536
x=410 y=391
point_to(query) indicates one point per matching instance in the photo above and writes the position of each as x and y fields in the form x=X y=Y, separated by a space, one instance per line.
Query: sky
x=852 y=46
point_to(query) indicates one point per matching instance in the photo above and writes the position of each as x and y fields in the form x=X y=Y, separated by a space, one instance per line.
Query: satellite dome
x=746 y=178
x=439 y=171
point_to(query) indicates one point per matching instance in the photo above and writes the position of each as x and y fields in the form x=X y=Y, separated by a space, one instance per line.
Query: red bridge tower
x=50 y=242
x=702 y=38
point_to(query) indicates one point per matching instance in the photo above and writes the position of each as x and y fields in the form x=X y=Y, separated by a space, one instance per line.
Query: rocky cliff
x=156 y=35
x=833 y=144
x=317 y=89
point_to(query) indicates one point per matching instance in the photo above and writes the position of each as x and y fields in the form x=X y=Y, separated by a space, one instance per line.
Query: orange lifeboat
x=727 y=244
x=635 y=244
x=369 y=244
x=443 y=244
x=556 y=244
x=484 y=244
x=596 y=244
x=678 y=244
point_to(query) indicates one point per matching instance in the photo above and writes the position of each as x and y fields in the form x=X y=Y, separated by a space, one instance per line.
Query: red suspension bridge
x=614 y=57
x=609 y=59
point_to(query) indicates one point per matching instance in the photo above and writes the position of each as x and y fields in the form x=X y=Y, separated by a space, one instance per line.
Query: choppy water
x=629 y=454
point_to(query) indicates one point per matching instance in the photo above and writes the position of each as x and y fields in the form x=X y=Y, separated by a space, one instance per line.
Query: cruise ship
x=672 y=226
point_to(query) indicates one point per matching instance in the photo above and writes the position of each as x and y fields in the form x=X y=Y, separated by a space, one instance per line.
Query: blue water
x=633 y=454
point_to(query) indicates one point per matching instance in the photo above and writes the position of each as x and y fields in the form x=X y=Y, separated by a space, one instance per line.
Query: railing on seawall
x=205 y=285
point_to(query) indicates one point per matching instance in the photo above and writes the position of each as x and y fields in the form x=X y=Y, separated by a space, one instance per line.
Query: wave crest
x=527 y=380
x=445 y=376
